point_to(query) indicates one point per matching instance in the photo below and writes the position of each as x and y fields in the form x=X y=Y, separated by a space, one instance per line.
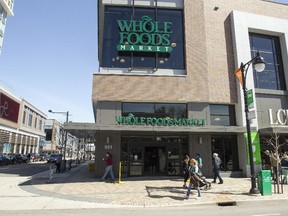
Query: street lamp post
x=66 y=133
x=259 y=65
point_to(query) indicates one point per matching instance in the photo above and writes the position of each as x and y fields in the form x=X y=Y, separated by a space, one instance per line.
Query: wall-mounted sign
x=144 y=36
x=279 y=118
x=9 y=109
x=132 y=120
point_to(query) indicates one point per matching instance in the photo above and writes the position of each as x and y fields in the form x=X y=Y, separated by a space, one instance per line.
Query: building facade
x=6 y=9
x=21 y=125
x=166 y=84
x=55 y=136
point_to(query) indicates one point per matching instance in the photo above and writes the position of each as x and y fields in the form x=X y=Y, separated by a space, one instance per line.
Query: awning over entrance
x=89 y=130
x=271 y=130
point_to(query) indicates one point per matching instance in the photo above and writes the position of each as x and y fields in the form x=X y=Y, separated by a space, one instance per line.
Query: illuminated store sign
x=281 y=117
x=144 y=36
x=132 y=120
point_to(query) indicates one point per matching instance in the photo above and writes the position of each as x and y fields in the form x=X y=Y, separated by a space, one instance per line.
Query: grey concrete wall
x=102 y=146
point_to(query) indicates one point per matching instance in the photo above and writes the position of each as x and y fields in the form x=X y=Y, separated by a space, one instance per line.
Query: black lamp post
x=259 y=65
x=66 y=134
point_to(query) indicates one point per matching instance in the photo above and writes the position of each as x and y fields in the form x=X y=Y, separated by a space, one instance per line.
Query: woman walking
x=194 y=179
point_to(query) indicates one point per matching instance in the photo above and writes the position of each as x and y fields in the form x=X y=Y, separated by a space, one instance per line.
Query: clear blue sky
x=49 y=55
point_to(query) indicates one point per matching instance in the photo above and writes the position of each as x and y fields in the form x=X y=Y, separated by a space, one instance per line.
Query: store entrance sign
x=278 y=118
x=144 y=35
x=133 y=120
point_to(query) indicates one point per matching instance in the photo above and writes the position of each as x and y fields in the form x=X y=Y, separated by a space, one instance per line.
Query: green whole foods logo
x=144 y=35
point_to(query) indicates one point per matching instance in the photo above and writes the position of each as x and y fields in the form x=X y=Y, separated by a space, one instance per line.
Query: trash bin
x=264 y=182
x=91 y=167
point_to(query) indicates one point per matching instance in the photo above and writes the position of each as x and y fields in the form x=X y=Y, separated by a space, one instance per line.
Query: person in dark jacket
x=109 y=162
x=216 y=168
x=185 y=169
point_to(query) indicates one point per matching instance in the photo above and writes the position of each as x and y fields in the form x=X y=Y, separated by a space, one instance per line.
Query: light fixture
x=107 y=139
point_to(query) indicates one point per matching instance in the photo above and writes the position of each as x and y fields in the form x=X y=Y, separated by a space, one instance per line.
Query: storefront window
x=158 y=110
x=111 y=57
x=223 y=115
x=273 y=75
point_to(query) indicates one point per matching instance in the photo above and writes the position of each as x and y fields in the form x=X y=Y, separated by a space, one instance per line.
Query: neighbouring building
x=166 y=84
x=21 y=125
x=6 y=9
x=55 y=136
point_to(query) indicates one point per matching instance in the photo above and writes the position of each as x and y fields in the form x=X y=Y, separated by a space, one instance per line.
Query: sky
x=49 y=55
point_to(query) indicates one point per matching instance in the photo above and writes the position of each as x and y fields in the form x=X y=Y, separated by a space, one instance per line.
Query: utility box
x=264 y=182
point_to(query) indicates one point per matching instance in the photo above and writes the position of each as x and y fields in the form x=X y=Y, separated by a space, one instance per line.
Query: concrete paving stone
x=81 y=186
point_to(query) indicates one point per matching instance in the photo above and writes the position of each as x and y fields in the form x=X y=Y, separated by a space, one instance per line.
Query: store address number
x=108 y=147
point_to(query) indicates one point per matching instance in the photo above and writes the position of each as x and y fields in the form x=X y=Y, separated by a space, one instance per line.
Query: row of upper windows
x=223 y=115
x=135 y=29
x=32 y=119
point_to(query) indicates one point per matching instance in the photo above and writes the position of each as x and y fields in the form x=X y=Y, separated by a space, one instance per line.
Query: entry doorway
x=226 y=147
x=154 y=160
x=152 y=155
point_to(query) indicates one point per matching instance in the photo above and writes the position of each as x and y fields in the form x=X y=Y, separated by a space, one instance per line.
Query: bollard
x=119 y=175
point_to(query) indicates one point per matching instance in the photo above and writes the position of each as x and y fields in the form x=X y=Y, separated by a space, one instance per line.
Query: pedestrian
x=216 y=168
x=194 y=179
x=58 y=163
x=200 y=163
x=109 y=162
x=185 y=169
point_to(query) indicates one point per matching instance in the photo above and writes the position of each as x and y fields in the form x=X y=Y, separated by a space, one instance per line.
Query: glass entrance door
x=152 y=155
x=226 y=147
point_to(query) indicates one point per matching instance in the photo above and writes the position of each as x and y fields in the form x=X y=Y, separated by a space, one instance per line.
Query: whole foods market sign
x=132 y=120
x=144 y=35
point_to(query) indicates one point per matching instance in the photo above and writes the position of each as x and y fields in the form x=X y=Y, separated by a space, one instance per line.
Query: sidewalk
x=80 y=185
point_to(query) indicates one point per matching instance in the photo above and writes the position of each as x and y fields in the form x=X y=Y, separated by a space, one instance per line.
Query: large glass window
x=158 y=110
x=111 y=57
x=223 y=115
x=273 y=75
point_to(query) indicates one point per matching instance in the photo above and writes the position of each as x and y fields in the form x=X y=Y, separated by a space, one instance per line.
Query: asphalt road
x=24 y=169
x=248 y=209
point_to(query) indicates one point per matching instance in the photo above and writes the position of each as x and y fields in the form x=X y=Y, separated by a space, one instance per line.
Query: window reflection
x=158 y=110
x=223 y=115
x=273 y=75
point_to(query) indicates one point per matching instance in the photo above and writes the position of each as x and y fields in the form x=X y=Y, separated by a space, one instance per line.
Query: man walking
x=216 y=168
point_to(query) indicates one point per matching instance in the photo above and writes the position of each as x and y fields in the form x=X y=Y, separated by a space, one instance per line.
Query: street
x=17 y=201
x=247 y=209
x=24 y=169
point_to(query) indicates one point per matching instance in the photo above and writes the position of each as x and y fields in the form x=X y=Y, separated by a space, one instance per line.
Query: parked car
x=16 y=158
x=53 y=157
x=4 y=160
x=43 y=157
x=34 y=157
x=24 y=158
